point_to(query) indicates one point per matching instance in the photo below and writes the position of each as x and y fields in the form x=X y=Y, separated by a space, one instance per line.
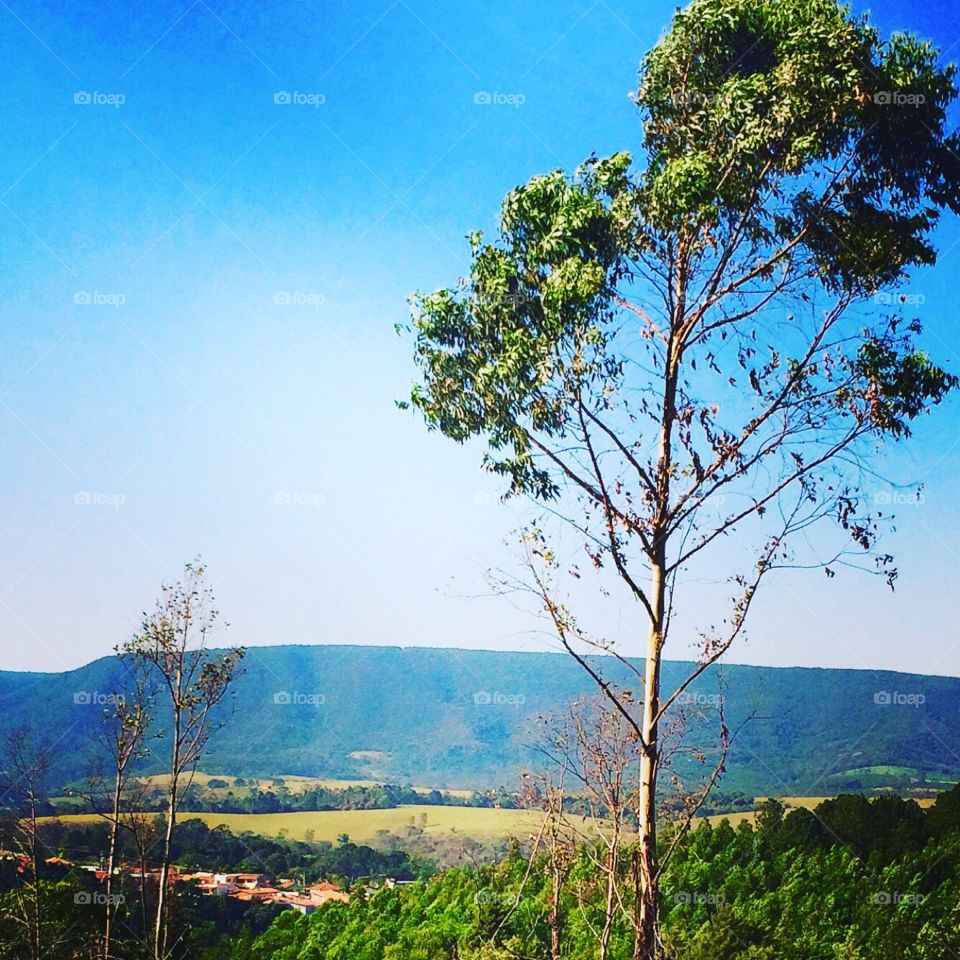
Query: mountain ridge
x=485 y=650
x=455 y=717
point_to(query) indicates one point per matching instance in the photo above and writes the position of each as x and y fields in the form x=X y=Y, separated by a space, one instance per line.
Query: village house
x=219 y=885
x=325 y=892
x=249 y=881
x=303 y=904
x=257 y=888
x=391 y=882
x=257 y=895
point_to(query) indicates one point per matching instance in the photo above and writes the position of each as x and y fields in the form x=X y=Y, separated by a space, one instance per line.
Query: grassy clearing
x=483 y=824
x=362 y=826
x=735 y=819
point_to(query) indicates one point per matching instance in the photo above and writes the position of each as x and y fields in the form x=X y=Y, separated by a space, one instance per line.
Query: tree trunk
x=141 y=834
x=553 y=918
x=111 y=855
x=35 y=936
x=160 y=926
x=646 y=911
x=646 y=878
x=610 y=901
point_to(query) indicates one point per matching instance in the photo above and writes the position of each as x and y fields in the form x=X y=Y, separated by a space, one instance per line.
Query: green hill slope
x=469 y=718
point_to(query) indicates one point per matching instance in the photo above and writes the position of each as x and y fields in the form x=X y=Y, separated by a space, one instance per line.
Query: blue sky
x=161 y=398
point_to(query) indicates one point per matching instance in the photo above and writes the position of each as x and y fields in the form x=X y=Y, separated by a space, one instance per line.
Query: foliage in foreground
x=72 y=903
x=857 y=879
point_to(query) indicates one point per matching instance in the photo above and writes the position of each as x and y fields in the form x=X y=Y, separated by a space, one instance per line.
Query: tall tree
x=690 y=351
x=191 y=681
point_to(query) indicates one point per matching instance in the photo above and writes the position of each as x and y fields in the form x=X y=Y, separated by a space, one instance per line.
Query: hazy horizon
x=729 y=662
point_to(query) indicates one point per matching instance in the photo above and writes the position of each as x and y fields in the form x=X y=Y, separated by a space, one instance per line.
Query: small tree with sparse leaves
x=190 y=681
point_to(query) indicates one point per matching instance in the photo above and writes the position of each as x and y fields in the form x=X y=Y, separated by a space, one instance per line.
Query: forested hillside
x=857 y=879
x=449 y=718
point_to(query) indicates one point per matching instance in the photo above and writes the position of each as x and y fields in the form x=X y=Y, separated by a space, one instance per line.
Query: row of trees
x=281 y=800
x=174 y=684
x=197 y=847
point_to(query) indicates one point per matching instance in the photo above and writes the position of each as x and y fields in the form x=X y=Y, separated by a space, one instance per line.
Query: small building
x=303 y=904
x=249 y=881
x=259 y=895
x=325 y=892
x=218 y=886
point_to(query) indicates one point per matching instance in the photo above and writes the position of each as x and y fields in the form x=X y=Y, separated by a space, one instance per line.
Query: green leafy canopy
x=786 y=147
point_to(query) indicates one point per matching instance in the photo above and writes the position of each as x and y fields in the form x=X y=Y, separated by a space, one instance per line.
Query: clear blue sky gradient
x=203 y=414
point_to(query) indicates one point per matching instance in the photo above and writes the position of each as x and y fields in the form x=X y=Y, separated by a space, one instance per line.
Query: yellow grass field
x=362 y=826
x=479 y=823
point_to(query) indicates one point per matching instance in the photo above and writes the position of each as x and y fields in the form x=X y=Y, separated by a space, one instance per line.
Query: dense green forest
x=857 y=879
